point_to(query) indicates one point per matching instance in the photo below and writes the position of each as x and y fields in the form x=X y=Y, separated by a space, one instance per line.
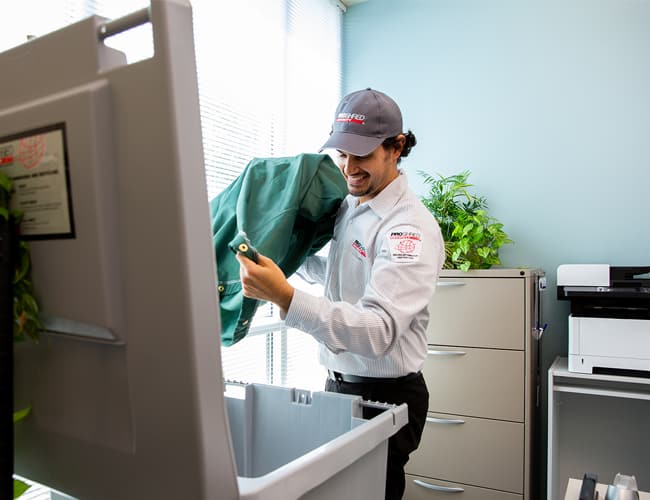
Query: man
x=378 y=278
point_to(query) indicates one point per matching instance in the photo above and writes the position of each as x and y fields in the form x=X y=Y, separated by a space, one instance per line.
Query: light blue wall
x=546 y=102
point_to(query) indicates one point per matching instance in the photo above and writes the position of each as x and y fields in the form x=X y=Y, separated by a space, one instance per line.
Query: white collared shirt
x=379 y=278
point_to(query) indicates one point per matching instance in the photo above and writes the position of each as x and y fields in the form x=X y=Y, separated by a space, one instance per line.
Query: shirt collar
x=390 y=195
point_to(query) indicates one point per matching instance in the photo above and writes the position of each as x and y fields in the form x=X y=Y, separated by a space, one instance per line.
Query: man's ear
x=400 y=142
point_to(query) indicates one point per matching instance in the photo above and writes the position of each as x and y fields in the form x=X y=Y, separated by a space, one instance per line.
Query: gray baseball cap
x=363 y=120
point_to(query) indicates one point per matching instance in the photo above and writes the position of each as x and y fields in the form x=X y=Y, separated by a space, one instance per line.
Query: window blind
x=272 y=93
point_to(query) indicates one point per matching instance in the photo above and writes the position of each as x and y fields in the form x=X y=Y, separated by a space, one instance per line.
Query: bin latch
x=302 y=396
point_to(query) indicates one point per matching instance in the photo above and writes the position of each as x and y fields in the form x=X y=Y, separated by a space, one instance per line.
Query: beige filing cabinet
x=481 y=372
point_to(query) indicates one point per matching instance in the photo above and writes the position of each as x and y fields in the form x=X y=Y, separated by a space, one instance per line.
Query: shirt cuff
x=300 y=310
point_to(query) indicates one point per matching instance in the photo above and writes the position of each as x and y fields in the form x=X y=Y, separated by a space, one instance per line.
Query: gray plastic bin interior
x=296 y=444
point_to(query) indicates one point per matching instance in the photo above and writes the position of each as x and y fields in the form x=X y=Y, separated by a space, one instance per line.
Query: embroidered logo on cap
x=351 y=118
x=359 y=248
x=405 y=244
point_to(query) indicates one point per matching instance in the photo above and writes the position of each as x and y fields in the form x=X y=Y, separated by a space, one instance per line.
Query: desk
x=573 y=490
x=596 y=424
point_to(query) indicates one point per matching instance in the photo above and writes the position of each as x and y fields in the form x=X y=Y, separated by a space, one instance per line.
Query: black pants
x=412 y=392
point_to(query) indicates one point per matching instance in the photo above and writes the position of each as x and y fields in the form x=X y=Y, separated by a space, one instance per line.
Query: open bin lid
x=125 y=389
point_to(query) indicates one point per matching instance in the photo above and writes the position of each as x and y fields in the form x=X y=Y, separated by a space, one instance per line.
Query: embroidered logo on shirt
x=405 y=244
x=359 y=248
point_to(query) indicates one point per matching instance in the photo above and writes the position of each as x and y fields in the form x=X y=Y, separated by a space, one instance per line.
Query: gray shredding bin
x=126 y=387
x=290 y=443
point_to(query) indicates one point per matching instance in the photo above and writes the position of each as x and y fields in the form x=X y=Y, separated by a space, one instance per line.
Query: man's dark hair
x=391 y=142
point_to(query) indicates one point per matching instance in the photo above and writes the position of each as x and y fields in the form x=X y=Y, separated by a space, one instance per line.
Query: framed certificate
x=37 y=162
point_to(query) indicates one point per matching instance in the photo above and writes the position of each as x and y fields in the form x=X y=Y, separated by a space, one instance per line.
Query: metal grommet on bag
x=221 y=288
x=243 y=247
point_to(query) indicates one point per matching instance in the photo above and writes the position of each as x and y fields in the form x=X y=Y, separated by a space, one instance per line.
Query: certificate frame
x=37 y=162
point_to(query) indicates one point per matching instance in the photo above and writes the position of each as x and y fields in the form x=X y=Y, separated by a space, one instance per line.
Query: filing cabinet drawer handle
x=446 y=353
x=435 y=487
x=450 y=283
x=445 y=420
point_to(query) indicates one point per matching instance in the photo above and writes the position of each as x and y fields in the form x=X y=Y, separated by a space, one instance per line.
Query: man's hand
x=265 y=281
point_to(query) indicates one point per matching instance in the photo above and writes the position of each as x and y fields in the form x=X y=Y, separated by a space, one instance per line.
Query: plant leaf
x=483 y=252
x=20 y=487
x=5 y=183
x=20 y=414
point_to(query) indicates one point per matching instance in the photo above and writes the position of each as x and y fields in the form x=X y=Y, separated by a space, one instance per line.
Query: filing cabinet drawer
x=473 y=451
x=478 y=312
x=422 y=488
x=478 y=382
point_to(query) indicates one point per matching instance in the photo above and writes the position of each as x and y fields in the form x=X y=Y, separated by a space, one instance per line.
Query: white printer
x=609 y=324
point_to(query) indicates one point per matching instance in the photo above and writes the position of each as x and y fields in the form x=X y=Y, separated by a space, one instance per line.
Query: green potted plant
x=26 y=322
x=472 y=237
